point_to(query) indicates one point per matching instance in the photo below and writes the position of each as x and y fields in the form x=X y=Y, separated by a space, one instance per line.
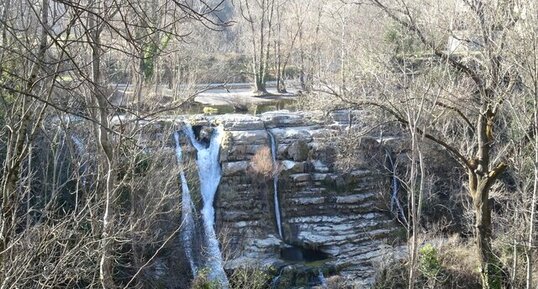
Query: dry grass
x=262 y=162
x=458 y=267
x=459 y=261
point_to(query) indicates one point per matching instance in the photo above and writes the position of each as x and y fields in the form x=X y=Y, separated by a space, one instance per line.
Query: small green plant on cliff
x=208 y=110
x=430 y=266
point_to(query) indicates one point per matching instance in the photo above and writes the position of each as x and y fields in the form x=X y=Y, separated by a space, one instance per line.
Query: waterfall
x=276 y=280
x=187 y=209
x=209 y=172
x=322 y=280
x=82 y=154
x=394 y=202
x=275 y=185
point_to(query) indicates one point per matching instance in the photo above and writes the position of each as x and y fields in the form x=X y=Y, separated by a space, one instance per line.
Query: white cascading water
x=275 y=185
x=322 y=280
x=187 y=209
x=82 y=154
x=209 y=172
x=394 y=202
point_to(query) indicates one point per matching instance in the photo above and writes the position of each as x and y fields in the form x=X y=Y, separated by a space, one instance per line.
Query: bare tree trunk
x=343 y=57
x=106 y=264
x=260 y=83
x=514 y=261
x=257 y=56
x=415 y=194
x=413 y=216
x=271 y=7
x=302 y=73
x=7 y=7
x=279 y=67
x=17 y=145
x=530 y=250
x=415 y=211
x=139 y=83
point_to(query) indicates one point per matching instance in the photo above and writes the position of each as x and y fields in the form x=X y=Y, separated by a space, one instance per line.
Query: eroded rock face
x=333 y=221
x=336 y=213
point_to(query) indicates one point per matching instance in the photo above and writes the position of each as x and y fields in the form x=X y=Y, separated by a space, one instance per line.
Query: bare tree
x=525 y=115
x=259 y=19
x=24 y=116
x=415 y=191
x=470 y=88
x=55 y=57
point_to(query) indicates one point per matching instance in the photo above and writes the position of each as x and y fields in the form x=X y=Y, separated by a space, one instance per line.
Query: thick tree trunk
x=279 y=67
x=481 y=179
x=488 y=271
x=260 y=84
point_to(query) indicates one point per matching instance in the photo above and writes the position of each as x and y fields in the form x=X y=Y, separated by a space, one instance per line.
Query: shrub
x=429 y=264
x=202 y=281
x=392 y=275
x=210 y=110
x=451 y=264
x=262 y=162
x=249 y=278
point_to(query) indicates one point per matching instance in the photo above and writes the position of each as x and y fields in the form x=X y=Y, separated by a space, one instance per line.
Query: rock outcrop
x=333 y=221
x=336 y=218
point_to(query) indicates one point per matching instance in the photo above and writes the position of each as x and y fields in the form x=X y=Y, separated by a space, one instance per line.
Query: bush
x=450 y=264
x=429 y=264
x=202 y=281
x=393 y=275
x=249 y=278
x=262 y=162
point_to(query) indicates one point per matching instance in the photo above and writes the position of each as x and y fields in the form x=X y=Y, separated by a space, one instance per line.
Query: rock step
x=357 y=181
x=348 y=197
x=338 y=219
x=368 y=247
x=238 y=216
x=348 y=228
x=328 y=210
x=288 y=135
x=340 y=197
x=331 y=201
x=352 y=238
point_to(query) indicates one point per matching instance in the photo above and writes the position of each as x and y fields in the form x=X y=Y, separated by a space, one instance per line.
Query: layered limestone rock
x=334 y=221
x=327 y=214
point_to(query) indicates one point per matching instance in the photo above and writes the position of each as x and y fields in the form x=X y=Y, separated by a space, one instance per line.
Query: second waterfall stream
x=275 y=184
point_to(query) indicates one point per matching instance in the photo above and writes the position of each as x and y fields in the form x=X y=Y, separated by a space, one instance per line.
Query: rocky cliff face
x=333 y=221
x=330 y=218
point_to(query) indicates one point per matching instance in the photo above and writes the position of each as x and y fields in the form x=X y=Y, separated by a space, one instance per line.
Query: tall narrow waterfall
x=209 y=172
x=322 y=280
x=187 y=210
x=394 y=202
x=275 y=185
x=82 y=155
